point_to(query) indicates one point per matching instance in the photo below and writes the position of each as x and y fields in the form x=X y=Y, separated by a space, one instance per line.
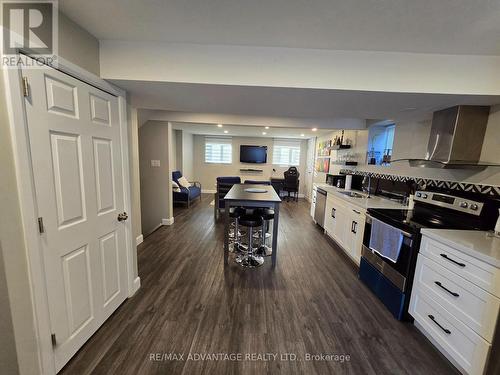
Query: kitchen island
x=240 y=196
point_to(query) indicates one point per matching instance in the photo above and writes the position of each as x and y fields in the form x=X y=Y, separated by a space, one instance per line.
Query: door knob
x=123 y=216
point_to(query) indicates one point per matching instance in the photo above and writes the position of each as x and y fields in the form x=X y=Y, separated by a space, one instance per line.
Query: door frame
x=25 y=185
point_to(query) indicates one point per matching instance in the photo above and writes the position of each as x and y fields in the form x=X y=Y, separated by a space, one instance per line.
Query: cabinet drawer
x=472 y=305
x=459 y=342
x=480 y=273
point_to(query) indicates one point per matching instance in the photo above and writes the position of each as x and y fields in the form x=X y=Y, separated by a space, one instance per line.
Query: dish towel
x=386 y=240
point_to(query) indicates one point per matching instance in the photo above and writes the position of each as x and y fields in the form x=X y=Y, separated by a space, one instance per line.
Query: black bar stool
x=234 y=234
x=250 y=259
x=267 y=215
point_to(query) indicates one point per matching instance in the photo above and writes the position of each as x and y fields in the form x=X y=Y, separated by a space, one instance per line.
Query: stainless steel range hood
x=456 y=138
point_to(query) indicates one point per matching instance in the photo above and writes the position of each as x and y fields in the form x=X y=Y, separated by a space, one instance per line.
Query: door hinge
x=53 y=339
x=26 y=87
x=41 y=228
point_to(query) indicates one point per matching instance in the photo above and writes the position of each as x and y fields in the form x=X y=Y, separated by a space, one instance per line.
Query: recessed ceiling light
x=264 y=133
x=219 y=125
x=302 y=135
x=267 y=127
x=225 y=131
x=314 y=129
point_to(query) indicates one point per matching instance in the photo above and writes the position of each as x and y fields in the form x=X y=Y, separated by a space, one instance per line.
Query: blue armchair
x=186 y=195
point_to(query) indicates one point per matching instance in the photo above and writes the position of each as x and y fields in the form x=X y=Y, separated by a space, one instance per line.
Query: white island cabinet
x=456 y=295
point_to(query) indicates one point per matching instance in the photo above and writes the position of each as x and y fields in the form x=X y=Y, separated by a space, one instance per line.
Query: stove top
x=414 y=220
x=439 y=210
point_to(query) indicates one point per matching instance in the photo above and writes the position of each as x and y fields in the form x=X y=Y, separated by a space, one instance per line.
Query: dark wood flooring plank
x=311 y=303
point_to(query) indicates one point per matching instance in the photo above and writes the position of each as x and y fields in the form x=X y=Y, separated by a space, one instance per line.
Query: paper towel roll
x=348 y=182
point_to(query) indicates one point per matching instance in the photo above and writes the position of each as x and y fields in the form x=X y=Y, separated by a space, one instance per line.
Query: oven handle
x=406 y=234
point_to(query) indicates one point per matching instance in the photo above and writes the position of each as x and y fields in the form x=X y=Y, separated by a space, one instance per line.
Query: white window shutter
x=218 y=150
x=286 y=152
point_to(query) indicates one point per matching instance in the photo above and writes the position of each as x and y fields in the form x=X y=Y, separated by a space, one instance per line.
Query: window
x=218 y=150
x=380 y=141
x=286 y=152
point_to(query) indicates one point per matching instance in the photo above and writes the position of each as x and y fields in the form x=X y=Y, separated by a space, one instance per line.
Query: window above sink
x=380 y=143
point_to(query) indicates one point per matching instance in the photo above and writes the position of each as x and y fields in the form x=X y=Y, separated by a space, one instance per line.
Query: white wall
x=135 y=188
x=295 y=67
x=78 y=45
x=156 y=185
x=177 y=150
x=188 y=155
x=182 y=149
x=207 y=173
x=15 y=291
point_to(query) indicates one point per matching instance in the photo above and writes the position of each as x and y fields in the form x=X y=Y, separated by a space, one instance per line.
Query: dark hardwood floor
x=311 y=303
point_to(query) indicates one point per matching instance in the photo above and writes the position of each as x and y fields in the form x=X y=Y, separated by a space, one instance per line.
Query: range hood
x=456 y=138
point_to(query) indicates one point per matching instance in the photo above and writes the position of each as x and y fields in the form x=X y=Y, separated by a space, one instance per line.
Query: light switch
x=155 y=163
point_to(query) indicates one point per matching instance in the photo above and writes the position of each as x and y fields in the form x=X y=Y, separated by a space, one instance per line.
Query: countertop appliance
x=392 y=281
x=338 y=180
x=319 y=211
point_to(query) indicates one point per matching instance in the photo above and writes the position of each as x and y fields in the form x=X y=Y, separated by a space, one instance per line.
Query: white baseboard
x=136 y=285
x=167 y=221
x=208 y=191
x=139 y=239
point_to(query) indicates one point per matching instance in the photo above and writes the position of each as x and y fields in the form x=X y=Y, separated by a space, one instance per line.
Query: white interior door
x=74 y=138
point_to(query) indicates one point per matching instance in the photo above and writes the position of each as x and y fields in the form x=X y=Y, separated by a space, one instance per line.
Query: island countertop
x=238 y=192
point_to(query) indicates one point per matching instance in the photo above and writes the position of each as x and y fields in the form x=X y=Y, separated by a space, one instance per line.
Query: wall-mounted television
x=253 y=154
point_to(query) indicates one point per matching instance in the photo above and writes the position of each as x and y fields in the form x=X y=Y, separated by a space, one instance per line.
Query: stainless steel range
x=392 y=239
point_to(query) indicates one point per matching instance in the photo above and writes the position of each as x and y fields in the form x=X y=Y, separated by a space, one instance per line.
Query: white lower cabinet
x=330 y=213
x=313 y=200
x=452 y=308
x=345 y=223
x=354 y=233
x=460 y=343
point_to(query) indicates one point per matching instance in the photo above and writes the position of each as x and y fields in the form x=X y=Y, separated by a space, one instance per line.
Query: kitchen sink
x=352 y=194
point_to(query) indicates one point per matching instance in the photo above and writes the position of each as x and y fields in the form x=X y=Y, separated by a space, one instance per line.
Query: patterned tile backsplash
x=424 y=183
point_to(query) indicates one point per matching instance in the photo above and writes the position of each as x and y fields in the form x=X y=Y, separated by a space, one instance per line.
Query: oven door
x=397 y=273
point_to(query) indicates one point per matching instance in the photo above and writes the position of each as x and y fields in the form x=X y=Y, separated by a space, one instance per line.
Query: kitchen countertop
x=471 y=242
x=364 y=203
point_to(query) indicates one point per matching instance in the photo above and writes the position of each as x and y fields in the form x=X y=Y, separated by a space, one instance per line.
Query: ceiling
x=248 y=131
x=426 y=26
x=308 y=104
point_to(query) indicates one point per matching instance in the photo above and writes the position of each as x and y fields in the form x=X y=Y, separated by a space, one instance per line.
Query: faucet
x=369 y=184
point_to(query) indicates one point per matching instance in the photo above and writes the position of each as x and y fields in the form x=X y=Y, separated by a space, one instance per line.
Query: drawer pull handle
x=447 y=331
x=445 y=288
x=451 y=260
x=357 y=212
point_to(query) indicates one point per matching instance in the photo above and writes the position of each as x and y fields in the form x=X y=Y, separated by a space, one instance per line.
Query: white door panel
x=75 y=150
x=100 y=110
